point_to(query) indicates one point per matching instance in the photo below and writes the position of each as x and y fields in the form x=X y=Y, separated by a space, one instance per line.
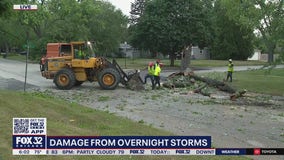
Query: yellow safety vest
x=157 y=70
x=230 y=67
x=151 y=70
x=81 y=54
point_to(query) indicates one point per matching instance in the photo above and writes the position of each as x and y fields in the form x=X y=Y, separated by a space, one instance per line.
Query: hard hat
x=151 y=64
x=230 y=60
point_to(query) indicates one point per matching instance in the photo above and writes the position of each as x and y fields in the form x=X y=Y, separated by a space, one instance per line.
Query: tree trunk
x=185 y=58
x=270 y=55
x=172 y=59
x=212 y=82
x=6 y=48
x=270 y=58
x=270 y=44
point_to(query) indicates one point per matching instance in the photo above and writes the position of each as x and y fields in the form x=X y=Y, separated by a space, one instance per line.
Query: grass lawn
x=65 y=118
x=261 y=81
x=142 y=63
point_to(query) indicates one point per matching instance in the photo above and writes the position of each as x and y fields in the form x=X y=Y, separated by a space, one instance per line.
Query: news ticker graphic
x=212 y=151
x=29 y=126
x=29 y=133
x=133 y=142
x=111 y=145
x=249 y=151
x=117 y=152
x=30 y=138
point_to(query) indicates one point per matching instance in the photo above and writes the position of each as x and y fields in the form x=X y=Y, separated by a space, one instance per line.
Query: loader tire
x=108 y=78
x=65 y=79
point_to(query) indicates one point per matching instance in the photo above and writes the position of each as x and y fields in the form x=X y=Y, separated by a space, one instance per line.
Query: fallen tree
x=180 y=79
x=215 y=83
x=238 y=94
x=200 y=84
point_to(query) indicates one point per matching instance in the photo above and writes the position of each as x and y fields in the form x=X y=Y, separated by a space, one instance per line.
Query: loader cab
x=65 y=50
x=55 y=50
x=82 y=50
x=58 y=50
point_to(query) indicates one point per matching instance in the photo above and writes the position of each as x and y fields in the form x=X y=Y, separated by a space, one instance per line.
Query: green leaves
x=68 y=20
x=167 y=26
x=264 y=17
x=233 y=34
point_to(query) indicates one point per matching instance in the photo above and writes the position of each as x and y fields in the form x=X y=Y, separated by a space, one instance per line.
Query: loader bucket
x=135 y=82
x=132 y=81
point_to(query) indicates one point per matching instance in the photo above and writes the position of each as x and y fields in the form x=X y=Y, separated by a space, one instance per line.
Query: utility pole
x=27 y=55
x=125 y=50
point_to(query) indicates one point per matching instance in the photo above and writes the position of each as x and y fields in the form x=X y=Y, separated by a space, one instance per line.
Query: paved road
x=15 y=70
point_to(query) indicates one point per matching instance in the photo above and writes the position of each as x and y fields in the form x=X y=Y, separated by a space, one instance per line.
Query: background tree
x=168 y=26
x=137 y=9
x=65 y=21
x=4 y=6
x=8 y=29
x=9 y=34
x=266 y=17
x=107 y=27
x=34 y=24
x=231 y=39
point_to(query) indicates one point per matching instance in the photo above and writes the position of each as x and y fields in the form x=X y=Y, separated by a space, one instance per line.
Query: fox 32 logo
x=25 y=141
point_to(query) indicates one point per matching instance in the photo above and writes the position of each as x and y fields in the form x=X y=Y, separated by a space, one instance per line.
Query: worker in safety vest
x=150 y=74
x=79 y=54
x=230 y=70
x=157 y=74
x=82 y=54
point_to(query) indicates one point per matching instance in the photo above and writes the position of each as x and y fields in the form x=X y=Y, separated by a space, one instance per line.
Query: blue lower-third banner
x=133 y=142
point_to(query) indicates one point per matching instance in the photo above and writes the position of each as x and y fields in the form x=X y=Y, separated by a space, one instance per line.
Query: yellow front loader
x=71 y=64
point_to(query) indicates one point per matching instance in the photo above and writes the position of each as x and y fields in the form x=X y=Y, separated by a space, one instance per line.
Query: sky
x=123 y=5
